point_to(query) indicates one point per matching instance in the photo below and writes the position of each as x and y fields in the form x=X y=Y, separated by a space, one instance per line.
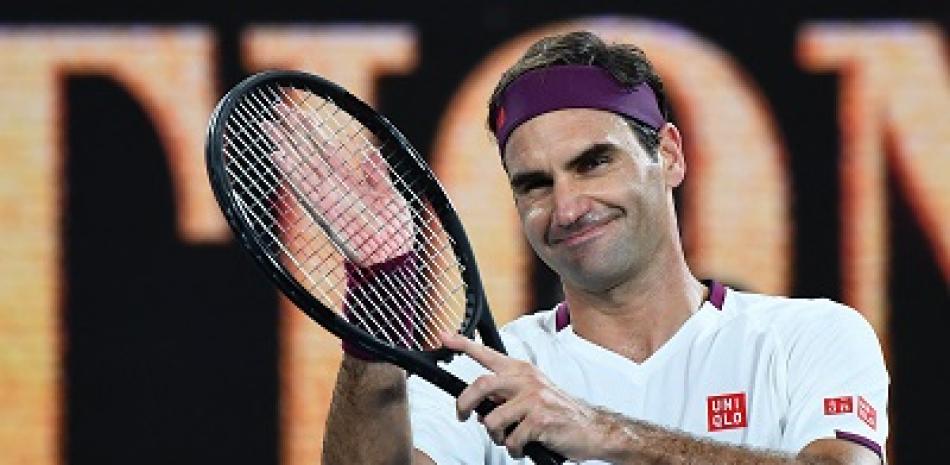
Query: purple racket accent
x=359 y=282
x=357 y=276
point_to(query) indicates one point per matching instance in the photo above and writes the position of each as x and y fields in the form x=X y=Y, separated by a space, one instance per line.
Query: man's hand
x=346 y=185
x=527 y=400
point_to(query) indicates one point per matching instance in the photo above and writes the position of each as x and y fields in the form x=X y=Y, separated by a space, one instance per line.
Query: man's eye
x=531 y=186
x=593 y=162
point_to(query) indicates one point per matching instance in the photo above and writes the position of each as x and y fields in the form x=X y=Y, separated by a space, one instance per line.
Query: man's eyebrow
x=536 y=176
x=528 y=177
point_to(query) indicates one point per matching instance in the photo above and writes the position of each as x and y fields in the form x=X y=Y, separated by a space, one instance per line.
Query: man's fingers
x=374 y=167
x=522 y=434
x=375 y=172
x=484 y=387
x=504 y=416
x=484 y=355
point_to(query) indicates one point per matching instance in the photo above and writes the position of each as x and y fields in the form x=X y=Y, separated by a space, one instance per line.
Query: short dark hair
x=627 y=63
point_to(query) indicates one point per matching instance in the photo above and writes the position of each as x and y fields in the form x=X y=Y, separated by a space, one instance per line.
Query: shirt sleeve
x=837 y=381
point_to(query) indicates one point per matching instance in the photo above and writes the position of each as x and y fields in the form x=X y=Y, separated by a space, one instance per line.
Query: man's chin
x=591 y=273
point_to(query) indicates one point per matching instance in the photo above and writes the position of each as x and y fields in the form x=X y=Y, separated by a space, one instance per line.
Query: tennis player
x=642 y=362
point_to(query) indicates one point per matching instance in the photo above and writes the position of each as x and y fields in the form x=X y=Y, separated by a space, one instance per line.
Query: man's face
x=593 y=203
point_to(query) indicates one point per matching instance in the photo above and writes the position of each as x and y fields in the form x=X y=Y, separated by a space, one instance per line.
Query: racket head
x=264 y=201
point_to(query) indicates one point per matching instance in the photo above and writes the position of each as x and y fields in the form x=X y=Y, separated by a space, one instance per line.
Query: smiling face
x=594 y=205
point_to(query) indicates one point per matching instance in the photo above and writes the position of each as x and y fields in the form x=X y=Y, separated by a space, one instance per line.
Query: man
x=642 y=363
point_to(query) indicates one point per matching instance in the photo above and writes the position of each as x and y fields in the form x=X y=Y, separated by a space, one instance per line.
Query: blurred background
x=133 y=329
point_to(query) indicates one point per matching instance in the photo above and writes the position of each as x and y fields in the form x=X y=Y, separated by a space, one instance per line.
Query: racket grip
x=539 y=454
x=451 y=384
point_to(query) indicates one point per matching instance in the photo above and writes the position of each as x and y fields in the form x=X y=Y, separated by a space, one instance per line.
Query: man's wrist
x=622 y=437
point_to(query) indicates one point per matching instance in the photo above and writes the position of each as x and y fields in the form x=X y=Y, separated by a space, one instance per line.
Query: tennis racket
x=348 y=221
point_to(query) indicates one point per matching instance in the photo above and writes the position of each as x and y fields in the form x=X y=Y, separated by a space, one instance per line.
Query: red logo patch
x=867 y=413
x=839 y=405
x=727 y=411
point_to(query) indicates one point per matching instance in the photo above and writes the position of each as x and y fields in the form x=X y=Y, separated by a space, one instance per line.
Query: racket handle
x=541 y=455
x=451 y=384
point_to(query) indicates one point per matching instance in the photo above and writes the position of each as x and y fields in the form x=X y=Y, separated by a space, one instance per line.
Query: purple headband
x=571 y=86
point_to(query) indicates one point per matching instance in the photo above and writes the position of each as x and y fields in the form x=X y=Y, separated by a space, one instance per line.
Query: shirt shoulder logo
x=727 y=411
x=838 y=405
x=867 y=413
x=846 y=405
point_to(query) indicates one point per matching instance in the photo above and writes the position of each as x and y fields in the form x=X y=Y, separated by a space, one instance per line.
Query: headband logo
x=500 y=118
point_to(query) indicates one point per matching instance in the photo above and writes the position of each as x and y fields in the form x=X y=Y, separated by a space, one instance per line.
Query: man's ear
x=670 y=153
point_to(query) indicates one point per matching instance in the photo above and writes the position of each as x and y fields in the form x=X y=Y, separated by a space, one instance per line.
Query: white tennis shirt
x=765 y=372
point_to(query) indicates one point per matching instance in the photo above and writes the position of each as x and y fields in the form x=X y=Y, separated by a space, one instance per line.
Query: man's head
x=625 y=63
x=592 y=173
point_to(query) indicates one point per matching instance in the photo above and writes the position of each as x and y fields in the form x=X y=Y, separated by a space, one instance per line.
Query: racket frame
x=477 y=315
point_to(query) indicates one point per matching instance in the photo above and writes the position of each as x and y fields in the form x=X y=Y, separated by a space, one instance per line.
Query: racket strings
x=326 y=285
x=412 y=280
x=371 y=323
x=436 y=253
x=411 y=190
x=448 y=242
x=271 y=190
x=280 y=215
x=393 y=169
x=315 y=284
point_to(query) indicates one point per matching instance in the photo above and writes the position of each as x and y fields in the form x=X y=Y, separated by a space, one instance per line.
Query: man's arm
x=368 y=421
x=569 y=426
x=635 y=442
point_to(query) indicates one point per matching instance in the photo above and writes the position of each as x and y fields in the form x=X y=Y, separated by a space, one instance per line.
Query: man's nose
x=570 y=203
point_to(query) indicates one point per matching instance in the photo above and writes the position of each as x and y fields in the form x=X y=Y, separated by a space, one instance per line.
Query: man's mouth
x=585 y=228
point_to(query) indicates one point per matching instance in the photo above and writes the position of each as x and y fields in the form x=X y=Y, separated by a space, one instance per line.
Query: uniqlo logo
x=839 y=405
x=727 y=411
x=867 y=413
